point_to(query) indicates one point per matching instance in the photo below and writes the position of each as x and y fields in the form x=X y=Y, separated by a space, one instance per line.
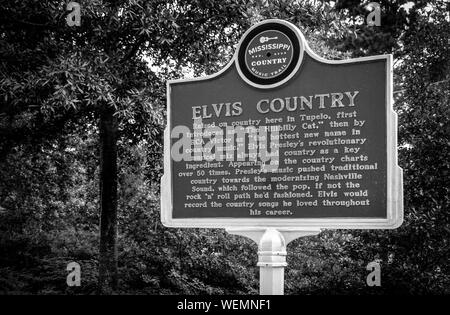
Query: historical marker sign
x=283 y=138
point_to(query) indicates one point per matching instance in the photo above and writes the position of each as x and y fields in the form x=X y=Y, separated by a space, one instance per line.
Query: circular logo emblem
x=269 y=54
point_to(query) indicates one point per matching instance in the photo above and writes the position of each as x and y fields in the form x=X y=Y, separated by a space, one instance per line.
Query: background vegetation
x=56 y=81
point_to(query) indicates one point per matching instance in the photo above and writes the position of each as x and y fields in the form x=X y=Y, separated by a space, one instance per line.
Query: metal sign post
x=272 y=252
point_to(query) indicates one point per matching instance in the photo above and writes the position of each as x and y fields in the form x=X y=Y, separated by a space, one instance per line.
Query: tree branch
x=133 y=50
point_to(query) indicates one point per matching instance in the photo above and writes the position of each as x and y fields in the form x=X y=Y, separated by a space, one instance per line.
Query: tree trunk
x=108 y=201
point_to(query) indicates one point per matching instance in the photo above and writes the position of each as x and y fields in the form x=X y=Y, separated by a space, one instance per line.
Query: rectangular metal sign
x=283 y=138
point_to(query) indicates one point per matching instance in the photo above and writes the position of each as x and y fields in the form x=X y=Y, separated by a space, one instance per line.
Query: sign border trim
x=394 y=176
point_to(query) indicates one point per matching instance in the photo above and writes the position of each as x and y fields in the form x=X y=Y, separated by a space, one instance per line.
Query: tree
x=96 y=72
x=68 y=92
x=414 y=256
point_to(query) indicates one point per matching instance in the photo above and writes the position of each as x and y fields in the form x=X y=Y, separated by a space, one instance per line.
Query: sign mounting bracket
x=272 y=252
